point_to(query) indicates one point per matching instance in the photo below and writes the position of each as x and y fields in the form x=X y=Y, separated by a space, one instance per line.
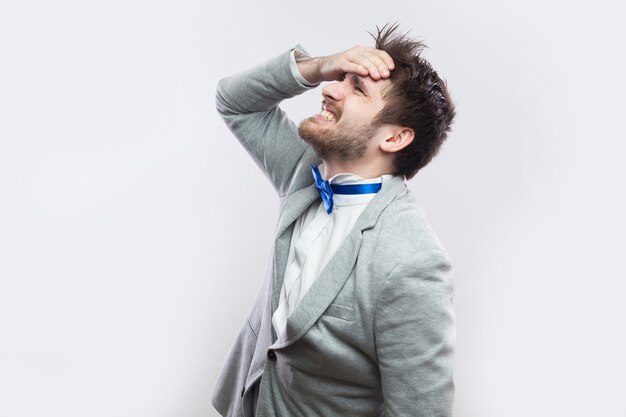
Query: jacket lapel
x=334 y=275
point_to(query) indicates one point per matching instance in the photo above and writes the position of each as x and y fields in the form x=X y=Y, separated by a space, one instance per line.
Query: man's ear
x=399 y=139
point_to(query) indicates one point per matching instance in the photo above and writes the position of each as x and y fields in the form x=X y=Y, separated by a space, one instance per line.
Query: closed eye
x=357 y=84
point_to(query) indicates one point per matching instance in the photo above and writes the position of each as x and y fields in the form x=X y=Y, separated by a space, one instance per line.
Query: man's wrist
x=310 y=70
x=298 y=56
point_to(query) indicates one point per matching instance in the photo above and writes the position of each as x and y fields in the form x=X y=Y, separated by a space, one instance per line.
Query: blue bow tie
x=327 y=189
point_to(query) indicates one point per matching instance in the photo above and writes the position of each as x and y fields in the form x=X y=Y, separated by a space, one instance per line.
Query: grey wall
x=129 y=256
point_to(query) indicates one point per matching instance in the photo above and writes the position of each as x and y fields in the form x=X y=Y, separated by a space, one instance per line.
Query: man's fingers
x=362 y=60
x=381 y=69
x=377 y=62
x=386 y=58
x=356 y=68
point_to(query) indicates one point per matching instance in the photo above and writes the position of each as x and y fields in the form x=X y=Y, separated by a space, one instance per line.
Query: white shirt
x=316 y=237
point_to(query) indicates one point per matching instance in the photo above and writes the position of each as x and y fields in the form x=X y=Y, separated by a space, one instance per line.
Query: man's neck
x=360 y=168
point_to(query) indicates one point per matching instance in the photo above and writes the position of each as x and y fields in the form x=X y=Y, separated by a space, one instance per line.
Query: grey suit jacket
x=374 y=335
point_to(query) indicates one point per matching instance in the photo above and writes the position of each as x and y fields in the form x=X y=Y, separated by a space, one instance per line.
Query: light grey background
x=134 y=229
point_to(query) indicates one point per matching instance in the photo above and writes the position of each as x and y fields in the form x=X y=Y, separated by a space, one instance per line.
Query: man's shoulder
x=403 y=242
x=403 y=225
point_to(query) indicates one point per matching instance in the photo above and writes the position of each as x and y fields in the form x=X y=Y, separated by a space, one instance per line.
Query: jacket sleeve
x=415 y=333
x=248 y=103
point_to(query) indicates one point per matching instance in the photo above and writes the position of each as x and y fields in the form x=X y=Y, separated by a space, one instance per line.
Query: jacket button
x=271 y=355
x=242 y=391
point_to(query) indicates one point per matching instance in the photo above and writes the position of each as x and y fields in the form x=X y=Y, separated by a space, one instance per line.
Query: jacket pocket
x=340 y=312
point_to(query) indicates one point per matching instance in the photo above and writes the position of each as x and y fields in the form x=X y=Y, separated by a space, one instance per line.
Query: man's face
x=343 y=128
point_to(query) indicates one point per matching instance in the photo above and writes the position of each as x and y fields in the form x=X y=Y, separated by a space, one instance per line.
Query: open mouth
x=327 y=115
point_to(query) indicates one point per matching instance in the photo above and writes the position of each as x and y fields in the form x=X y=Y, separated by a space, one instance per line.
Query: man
x=355 y=315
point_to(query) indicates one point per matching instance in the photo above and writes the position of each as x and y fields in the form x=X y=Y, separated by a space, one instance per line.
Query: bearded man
x=355 y=315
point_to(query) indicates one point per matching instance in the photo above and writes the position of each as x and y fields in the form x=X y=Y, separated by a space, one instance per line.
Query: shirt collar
x=348 y=178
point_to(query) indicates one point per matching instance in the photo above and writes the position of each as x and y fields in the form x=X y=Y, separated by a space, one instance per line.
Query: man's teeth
x=327 y=115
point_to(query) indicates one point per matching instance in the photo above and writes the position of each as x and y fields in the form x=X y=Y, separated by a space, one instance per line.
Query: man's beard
x=329 y=143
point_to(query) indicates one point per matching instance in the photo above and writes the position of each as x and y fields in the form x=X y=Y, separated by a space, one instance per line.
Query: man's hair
x=417 y=99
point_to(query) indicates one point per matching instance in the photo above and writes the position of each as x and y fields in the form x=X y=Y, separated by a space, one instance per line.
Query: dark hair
x=417 y=99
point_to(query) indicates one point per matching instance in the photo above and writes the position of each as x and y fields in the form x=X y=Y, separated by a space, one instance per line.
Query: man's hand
x=362 y=60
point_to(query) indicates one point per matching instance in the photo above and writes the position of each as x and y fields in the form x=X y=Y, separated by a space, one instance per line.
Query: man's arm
x=248 y=103
x=414 y=331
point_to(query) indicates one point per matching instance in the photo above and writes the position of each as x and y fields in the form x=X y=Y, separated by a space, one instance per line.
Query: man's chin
x=317 y=130
x=313 y=121
x=312 y=132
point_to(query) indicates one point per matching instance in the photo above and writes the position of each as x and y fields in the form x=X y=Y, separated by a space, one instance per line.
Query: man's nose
x=333 y=91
